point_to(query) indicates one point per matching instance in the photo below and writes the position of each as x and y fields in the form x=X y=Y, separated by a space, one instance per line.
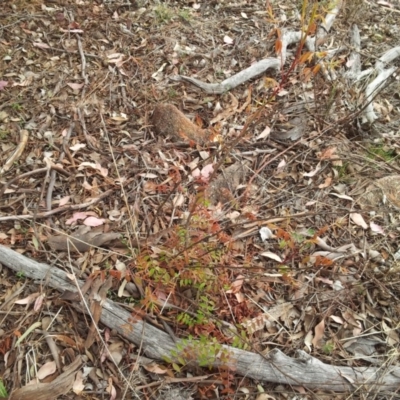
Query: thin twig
x=71 y=52
x=58 y=210
x=34 y=172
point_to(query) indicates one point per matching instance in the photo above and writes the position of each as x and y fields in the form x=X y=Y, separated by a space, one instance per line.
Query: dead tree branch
x=276 y=367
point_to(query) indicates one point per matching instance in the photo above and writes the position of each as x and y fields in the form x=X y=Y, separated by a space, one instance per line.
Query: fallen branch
x=288 y=38
x=276 y=367
x=233 y=81
x=354 y=74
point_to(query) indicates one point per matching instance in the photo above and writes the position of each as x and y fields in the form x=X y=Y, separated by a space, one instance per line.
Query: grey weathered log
x=275 y=367
x=249 y=73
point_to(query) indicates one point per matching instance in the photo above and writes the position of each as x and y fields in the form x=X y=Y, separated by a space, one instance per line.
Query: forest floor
x=292 y=251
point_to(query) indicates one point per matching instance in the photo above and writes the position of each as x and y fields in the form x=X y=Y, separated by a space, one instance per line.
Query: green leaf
x=3 y=390
x=176 y=367
x=182 y=360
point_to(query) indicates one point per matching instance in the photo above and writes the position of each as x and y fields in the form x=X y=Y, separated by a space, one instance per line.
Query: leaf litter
x=257 y=237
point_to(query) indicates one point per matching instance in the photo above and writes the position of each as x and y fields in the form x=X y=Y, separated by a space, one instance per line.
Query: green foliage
x=205 y=352
x=342 y=171
x=283 y=244
x=20 y=275
x=186 y=319
x=205 y=308
x=328 y=347
x=163 y=13
x=297 y=237
x=383 y=152
x=185 y=15
x=283 y=269
x=159 y=275
x=3 y=390
x=16 y=106
x=240 y=341
x=182 y=233
x=186 y=261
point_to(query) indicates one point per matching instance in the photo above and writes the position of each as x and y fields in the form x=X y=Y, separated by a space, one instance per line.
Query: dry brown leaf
x=45 y=391
x=236 y=285
x=271 y=255
x=254 y=324
x=265 y=396
x=78 y=385
x=115 y=350
x=319 y=334
x=111 y=389
x=67 y=341
x=392 y=336
x=308 y=339
x=358 y=220
x=97 y=297
x=156 y=368
x=328 y=154
x=327 y=183
x=46 y=369
x=228 y=111
x=29 y=299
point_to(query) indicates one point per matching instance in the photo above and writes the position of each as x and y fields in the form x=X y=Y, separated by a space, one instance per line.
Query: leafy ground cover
x=296 y=249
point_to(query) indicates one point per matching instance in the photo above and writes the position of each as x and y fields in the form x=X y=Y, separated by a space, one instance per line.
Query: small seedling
x=185 y=15
x=163 y=13
x=16 y=106
x=206 y=307
x=328 y=347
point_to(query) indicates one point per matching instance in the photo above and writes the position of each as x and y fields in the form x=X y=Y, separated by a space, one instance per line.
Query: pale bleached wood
x=256 y=69
x=380 y=73
x=277 y=367
x=230 y=83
